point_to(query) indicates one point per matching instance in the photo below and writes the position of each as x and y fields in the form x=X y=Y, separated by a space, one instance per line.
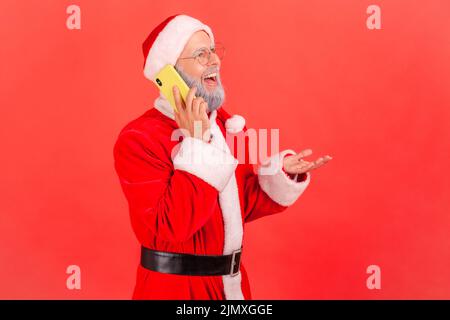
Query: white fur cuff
x=205 y=161
x=276 y=184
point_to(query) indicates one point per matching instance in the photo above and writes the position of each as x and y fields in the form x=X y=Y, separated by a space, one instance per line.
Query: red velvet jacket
x=181 y=205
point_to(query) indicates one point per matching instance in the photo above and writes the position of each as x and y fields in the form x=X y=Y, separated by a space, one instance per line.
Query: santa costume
x=177 y=205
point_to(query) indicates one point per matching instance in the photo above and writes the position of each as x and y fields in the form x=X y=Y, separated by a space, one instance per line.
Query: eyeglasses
x=203 y=55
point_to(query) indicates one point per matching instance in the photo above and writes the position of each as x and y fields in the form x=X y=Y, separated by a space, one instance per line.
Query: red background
x=376 y=100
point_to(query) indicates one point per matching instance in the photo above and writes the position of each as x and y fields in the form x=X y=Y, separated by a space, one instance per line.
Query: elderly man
x=189 y=215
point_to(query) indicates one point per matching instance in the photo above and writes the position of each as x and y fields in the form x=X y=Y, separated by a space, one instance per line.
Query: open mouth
x=210 y=79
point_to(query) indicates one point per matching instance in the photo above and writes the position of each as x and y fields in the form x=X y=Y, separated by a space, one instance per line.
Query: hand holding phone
x=166 y=79
x=189 y=110
x=191 y=115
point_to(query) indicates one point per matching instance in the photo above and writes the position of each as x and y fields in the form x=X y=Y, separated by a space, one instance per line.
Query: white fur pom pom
x=235 y=124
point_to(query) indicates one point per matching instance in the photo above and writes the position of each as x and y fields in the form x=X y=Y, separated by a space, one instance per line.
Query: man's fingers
x=196 y=108
x=177 y=118
x=323 y=159
x=190 y=97
x=204 y=115
x=303 y=153
x=304 y=166
x=320 y=162
x=202 y=109
x=316 y=166
x=177 y=96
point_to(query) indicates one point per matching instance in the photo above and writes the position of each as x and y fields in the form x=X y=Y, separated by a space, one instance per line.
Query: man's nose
x=214 y=60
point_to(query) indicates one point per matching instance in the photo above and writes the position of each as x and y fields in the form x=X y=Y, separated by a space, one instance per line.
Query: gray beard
x=214 y=99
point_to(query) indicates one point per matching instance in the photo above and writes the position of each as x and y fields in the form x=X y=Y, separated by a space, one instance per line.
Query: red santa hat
x=166 y=42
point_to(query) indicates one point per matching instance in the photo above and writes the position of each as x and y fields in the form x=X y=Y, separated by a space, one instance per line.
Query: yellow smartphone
x=166 y=79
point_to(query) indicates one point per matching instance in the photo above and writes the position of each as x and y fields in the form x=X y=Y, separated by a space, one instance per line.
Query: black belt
x=191 y=264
